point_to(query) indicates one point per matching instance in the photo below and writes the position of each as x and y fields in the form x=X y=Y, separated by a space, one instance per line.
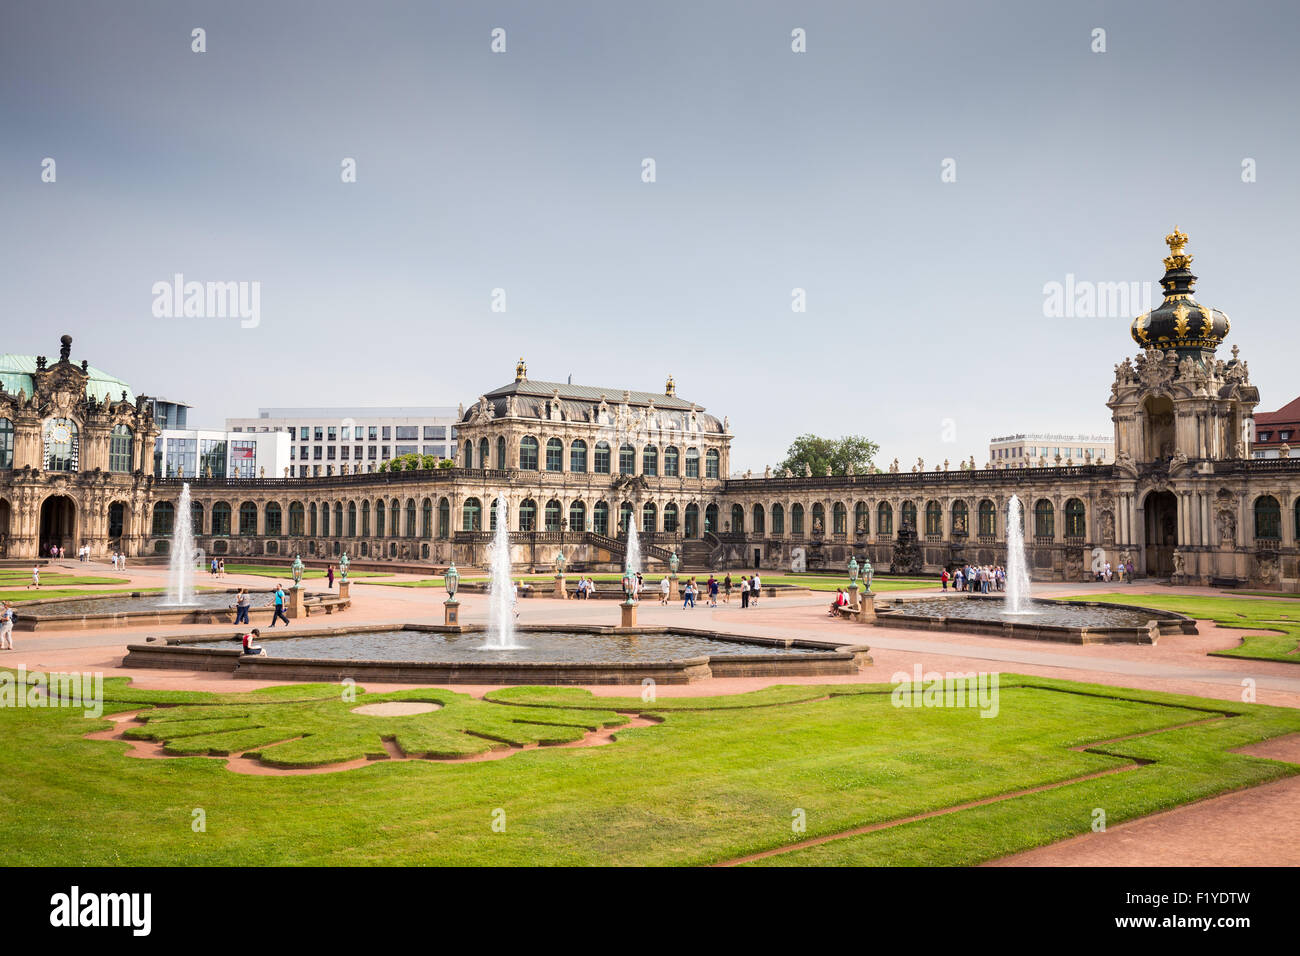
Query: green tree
x=412 y=463
x=839 y=453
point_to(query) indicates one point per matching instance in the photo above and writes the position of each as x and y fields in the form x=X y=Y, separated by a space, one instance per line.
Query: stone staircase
x=695 y=555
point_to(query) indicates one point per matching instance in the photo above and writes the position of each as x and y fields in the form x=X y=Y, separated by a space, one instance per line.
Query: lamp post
x=560 y=591
x=451 y=607
x=628 y=607
x=853 y=581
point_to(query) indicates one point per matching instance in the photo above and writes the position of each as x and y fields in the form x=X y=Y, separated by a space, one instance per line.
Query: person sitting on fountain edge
x=841 y=600
x=251 y=647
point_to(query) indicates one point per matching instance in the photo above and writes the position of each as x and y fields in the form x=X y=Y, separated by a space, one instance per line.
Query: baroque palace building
x=1182 y=497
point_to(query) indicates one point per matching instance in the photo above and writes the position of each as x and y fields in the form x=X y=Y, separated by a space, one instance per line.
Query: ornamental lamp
x=452 y=580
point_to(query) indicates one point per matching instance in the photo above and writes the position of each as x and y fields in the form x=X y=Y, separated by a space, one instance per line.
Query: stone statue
x=262 y=472
x=788 y=473
x=945 y=464
x=297 y=570
x=286 y=471
x=828 y=471
x=972 y=462
x=343 y=566
x=807 y=470
x=1178 y=562
x=851 y=470
x=1284 y=451
x=920 y=464
x=767 y=472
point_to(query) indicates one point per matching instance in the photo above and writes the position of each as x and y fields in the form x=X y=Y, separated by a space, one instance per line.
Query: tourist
x=744 y=591
x=726 y=589
x=755 y=588
x=663 y=589
x=329 y=575
x=251 y=647
x=640 y=585
x=1120 y=570
x=689 y=594
x=514 y=598
x=7 y=627
x=279 y=614
x=943 y=579
x=221 y=569
x=958 y=581
x=713 y=591
x=121 y=561
x=1130 y=572
x=241 y=606
x=841 y=600
x=36 y=577
x=213 y=569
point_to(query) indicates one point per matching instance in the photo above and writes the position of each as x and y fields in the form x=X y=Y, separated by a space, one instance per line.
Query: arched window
x=365 y=520
x=272 y=519
x=221 y=519
x=884 y=518
x=649 y=517
x=960 y=518
x=61 y=444
x=577 y=516
x=380 y=518
x=909 y=515
x=988 y=526
x=818 y=518
x=394 y=518
x=711 y=463
x=492 y=515
x=759 y=523
x=248 y=518
x=1044 y=519
x=778 y=519
x=338 y=518
x=164 y=518
x=600 y=517
x=552 y=515
x=296 y=516
x=528 y=453
x=692 y=529
x=483 y=447
x=469 y=454
x=626 y=459
x=472 y=515
x=444 y=518
x=578 y=456
x=737 y=519
x=1297 y=519
x=501 y=452
x=116 y=519
x=670 y=462
x=410 y=517
x=600 y=461
x=670 y=518
x=6 y=443
x=311 y=519
x=839 y=518
x=624 y=516
x=325 y=518
x=861 y=518
x=352 y=519
x=119 y=450
x=711 y=519
x=196 y=517
x=650 y=461
x=528 y=515
x=1268 y=518
x=554 y=455
x=1075 y=519
x=426 y=518
x=693 y=463
x=933 y=518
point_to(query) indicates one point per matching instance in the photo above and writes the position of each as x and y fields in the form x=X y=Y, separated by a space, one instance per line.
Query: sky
x=924 y=325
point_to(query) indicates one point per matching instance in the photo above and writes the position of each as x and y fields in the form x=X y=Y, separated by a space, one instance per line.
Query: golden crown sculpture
x=1177 y=242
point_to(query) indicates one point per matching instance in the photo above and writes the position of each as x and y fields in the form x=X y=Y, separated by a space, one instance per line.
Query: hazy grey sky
x=523 y=171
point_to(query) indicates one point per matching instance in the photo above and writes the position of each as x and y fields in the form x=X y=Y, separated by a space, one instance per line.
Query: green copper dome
x=16 y=375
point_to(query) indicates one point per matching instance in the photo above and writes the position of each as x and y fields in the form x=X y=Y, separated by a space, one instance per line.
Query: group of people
x=585 y=589
x=217 y=568
x=119 y=561
x=1123 y=570
x=972 y=578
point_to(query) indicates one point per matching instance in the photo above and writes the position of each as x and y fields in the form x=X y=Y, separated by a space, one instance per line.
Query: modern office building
x=212 y=453
x=1028 y=449
x=334 y=441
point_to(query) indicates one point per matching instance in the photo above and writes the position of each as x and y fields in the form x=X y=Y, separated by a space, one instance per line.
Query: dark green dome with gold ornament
x=1180 y=322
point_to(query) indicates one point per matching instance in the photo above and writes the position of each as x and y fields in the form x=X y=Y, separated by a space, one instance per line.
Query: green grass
x=16 y=580
x=717 y=779
x=813 y=583
x=286 y=572
x=43 y=593
x=1280 y=617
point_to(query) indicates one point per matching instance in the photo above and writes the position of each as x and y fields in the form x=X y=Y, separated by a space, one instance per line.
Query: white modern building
x=199 y=452
x=325 y=441
x=1031 y=448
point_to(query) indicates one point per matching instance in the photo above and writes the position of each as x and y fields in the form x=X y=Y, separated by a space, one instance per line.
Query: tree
x=817 y=452
x=412 y=463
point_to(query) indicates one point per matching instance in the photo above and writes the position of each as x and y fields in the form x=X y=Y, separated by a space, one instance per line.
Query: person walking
x=329 y=575
x=689 y=594
x=755 y=588
x=221 y=569
x=726 y=589
x=713 y=591
x=241 y=607
x=279 y=614
x=663 y=590
x=744 y=591
x=7 y=627
x=36 y=577
x=943 y=579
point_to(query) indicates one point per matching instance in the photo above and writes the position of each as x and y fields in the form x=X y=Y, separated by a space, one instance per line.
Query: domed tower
x=1176 y=404
x=1180 y=322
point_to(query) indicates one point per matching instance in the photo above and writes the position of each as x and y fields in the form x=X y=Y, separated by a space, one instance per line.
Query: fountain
x=1017 y=572
x=180 y=573
x=501 y=610
x=633 y=563
x=631 y=568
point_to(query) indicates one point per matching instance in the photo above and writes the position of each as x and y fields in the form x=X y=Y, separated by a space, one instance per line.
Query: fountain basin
x=1070 y=622
x=136 y=608
x=417 y=653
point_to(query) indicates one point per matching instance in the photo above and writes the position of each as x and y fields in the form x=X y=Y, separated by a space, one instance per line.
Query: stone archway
x=1160 y=530
x=58 y=524
x=6 y=514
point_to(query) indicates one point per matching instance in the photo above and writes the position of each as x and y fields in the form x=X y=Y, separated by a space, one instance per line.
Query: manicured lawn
x=43 y=593
x=717 y=779
x=10 y=580
x=286 y=572
x=812 y=582
x=1281 y=617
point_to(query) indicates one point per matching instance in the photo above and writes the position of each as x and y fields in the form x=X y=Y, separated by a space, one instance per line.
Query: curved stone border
x=33 y=620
